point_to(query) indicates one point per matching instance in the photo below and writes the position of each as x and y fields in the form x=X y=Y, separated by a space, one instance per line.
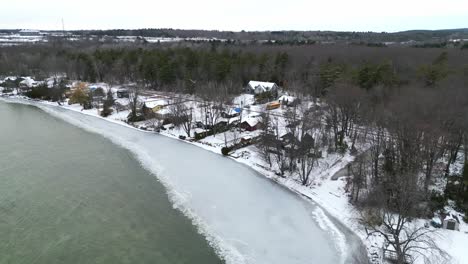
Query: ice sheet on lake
x=246 y=218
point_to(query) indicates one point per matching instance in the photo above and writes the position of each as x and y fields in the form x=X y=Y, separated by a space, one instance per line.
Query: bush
x=225 y=150
x=342 y=148
x=203 y=135
x=437 y=201
x=80 y=96
x=138 y=118
x=106 y=112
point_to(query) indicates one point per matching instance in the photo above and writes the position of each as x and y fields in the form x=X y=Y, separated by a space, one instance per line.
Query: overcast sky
x=347 y=15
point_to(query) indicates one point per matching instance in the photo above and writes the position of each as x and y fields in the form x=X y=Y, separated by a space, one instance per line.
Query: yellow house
x=154 y=105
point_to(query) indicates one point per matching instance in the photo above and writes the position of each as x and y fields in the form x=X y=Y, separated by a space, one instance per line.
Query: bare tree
x=391 y=217
x=358 y=170
x=279 y=152
x=344 y=101
x=267 y=138
x=307 y=150
x=182 y=116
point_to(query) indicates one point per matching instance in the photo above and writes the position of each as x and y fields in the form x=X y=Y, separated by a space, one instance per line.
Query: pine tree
x=108 y=103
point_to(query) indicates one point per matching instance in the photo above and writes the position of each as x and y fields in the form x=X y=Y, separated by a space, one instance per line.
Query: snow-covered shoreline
x=325 y=223
x=330 y=196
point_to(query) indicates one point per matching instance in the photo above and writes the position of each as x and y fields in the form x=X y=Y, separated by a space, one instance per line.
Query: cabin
x=451 y=222
x=256 y=87
x=250 y=124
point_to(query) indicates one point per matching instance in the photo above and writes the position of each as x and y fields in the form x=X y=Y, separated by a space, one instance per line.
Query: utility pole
x=63 y=29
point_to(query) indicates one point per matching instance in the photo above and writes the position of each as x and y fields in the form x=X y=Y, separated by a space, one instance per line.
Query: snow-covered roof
x=266 y=86
x=450 y=217
x=10 y=78
x=251 y=121
x=287 y=98
x=154 y=103
x=234 y=111
x=29 y=31
x=29 y=82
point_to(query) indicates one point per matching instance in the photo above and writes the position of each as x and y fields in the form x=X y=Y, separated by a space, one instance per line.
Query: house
x=123 y=93
x=28 y=82
x=451 y=222
x=256 y=87
x=250 y=124
x=154 y=105
x=233 y=112
x=289 y=101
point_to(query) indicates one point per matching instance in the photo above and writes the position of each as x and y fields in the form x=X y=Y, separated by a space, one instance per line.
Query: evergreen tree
x=108 y=103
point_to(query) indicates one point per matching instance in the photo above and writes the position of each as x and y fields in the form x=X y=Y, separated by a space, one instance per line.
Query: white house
x=28 y=82
x=257 y=87
x=451 y=222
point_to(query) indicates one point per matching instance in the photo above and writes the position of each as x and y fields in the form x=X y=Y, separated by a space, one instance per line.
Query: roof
x=251 y=121
x=154 y=103
x=287 y=98
x=451 y=217
x=233 y=111
x=29 y=31
x=266 y=86
x=28 y=81
x=10 y=78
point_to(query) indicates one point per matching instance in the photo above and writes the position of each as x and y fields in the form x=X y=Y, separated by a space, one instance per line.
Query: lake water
x=70 y=196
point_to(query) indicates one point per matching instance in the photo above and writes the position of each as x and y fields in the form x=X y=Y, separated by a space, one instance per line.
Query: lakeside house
x=28 y=82
x=152 y=106
x=250 y=124
x=257 y=87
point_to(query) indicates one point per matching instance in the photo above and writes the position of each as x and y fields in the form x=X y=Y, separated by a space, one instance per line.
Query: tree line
x=407 y=106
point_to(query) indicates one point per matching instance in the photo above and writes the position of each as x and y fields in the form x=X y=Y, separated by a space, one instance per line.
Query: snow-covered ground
x=246 y=217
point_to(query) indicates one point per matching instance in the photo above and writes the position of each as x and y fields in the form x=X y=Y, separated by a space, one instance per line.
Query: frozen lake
x=245 y=217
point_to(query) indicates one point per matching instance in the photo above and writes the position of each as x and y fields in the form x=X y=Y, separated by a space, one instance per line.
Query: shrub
x=225 y=150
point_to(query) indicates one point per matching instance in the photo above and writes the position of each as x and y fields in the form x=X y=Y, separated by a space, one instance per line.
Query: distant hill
x=416 y=35
x=292 y=36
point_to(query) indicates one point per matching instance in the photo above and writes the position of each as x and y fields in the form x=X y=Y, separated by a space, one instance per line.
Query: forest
x=408 y=106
